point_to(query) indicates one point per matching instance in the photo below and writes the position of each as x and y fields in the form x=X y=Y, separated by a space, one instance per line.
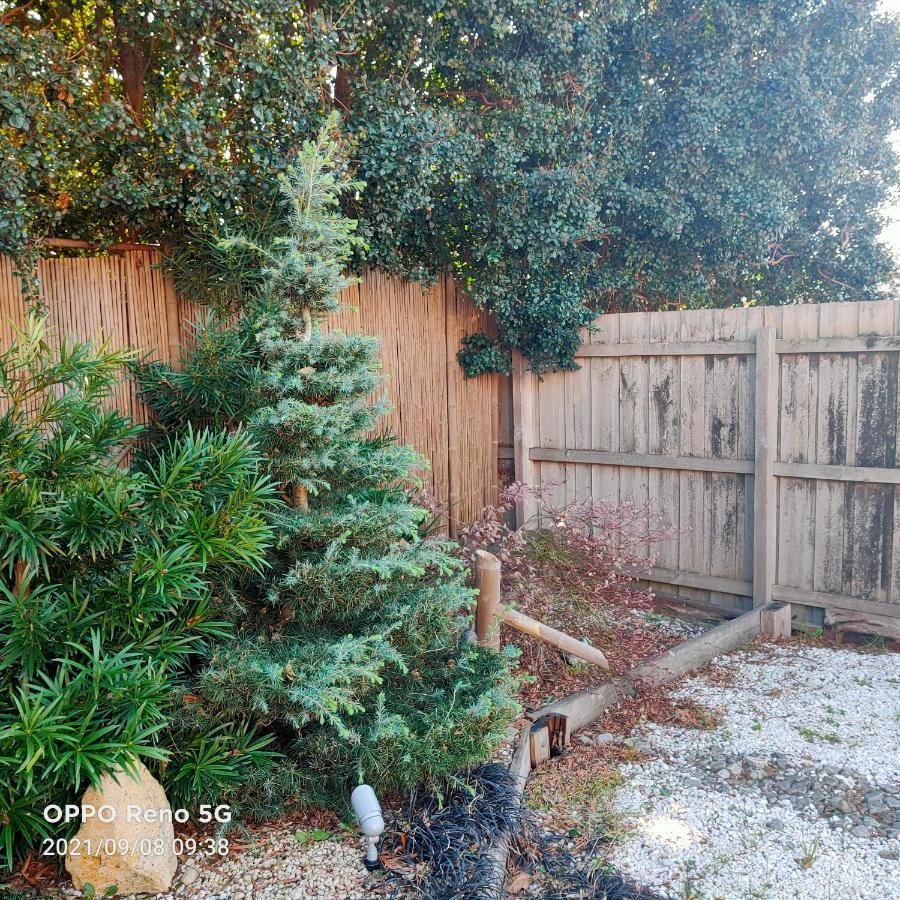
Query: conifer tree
x=105 y=584
x=350 y=646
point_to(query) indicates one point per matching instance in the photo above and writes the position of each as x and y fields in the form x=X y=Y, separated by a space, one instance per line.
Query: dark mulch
x=439 y=847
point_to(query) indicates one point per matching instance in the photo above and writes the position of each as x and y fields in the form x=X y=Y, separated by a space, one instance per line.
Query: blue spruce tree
x=350 y=647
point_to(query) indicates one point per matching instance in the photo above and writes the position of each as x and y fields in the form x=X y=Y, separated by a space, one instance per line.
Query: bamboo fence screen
x=126 y=299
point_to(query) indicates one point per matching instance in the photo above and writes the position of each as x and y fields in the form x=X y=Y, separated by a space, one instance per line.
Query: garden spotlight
x=368 y=813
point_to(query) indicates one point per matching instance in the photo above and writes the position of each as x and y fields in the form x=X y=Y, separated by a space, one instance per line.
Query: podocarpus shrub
x=349 y=647
x=104 y=577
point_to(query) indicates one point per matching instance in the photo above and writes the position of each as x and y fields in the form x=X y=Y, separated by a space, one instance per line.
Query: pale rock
x=133 y=872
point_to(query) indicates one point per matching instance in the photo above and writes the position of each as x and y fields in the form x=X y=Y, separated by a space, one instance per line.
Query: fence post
x=765 y=488
x=524 y=384
x=487 y=580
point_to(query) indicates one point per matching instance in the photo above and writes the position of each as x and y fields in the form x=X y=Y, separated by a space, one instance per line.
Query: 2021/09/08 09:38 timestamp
x=106 y=845
x=211 y=846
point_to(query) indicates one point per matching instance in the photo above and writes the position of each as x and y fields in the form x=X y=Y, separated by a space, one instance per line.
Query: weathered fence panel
x=453 y=422
x=766 y=436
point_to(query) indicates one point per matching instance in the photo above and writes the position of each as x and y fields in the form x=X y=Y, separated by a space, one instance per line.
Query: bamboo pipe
x=555 y=638
x=487 y=579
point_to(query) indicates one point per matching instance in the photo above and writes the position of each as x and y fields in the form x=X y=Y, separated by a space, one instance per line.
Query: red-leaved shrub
x=576 y=566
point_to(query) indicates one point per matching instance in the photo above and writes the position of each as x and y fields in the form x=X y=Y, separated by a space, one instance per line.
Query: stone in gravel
x=890 y=854
x=584 y=739
x=860 y=831
x=756 y=762
x=605 y=738
x=130 y=872
x=724 y=774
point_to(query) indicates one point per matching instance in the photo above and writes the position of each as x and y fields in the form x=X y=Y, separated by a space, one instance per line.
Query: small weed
x=690 y=890
x=90 y=892
x=311 y=837
x=861 y=681
x=810 y=635
x=809 y=854
x=757 y=725
x=762 y=893
x=813 y=736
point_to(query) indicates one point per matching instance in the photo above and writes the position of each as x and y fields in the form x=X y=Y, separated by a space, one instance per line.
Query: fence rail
x=767 y=438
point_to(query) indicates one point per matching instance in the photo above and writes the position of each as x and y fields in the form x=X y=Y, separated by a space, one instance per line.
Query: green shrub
x=105 y=574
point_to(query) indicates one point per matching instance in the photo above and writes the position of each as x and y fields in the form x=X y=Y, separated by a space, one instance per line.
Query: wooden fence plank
x=604 y=412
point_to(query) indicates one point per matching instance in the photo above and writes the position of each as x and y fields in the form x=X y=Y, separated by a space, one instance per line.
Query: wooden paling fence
x=767 y=437
x=126 y=299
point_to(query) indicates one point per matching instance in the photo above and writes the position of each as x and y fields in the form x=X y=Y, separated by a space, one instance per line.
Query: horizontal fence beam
x=669 y=348
x=871 y=344
x=834 y=601
x=780 y=592
x=864 y=474
x=861 y=474
x=642 y=460
x=702 y=582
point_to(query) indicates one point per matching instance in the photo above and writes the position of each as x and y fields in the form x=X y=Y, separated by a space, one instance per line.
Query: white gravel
x=693 y=834
x=276 y=867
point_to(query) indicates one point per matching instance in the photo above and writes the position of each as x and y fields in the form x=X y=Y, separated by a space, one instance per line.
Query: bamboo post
x=487 y=580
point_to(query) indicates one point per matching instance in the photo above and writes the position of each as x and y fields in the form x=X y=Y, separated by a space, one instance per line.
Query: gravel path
x=277 y=866
x=794 y=796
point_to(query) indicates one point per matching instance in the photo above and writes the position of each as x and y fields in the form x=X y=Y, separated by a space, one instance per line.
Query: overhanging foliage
x=561 y=156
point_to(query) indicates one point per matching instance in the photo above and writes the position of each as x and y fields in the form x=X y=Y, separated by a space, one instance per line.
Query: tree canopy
x=563 y=157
